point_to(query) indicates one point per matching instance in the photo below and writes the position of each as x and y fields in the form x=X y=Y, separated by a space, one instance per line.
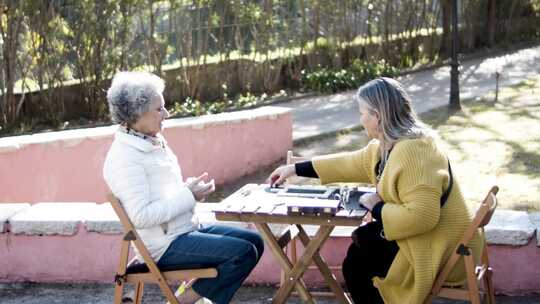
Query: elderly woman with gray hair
x=419 y=210
x=143 y=172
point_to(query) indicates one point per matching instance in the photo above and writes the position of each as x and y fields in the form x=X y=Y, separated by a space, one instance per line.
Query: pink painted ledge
x=81 y=244
x=67 y=165
x=93 y=257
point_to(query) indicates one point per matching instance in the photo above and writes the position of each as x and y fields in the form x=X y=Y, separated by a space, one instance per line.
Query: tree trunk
x=510 y=16
x=491 y=21
x=207 y=34
x=317 y=23
x=446 y=9
x=10 y=31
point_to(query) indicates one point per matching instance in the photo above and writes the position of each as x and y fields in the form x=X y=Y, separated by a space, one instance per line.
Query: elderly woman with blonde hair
x=419 y=210
x=143 y=172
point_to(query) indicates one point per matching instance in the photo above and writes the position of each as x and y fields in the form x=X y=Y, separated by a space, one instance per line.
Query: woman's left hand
x=369 y=200
x=199 y=187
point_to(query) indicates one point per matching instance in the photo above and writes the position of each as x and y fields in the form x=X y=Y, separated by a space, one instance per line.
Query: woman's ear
x=378 y=117
x=379 y=122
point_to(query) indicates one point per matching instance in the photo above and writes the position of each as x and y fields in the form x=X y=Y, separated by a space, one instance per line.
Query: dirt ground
x=32 y=293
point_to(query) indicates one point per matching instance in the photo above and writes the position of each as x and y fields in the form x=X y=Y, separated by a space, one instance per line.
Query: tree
x=446 y=42
x=11 y=29
x=491 y=26
x=95 y=55
x=154 y=11
x=47 y=35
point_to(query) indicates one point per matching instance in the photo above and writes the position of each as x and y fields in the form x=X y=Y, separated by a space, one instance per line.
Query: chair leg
x=472 y=283
x=488 y=286
x=139 y=290
x=118 y=292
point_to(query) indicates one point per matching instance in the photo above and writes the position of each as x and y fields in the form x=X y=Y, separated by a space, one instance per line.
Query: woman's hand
x=279 y=175
x=199 y=187
x=369 y=200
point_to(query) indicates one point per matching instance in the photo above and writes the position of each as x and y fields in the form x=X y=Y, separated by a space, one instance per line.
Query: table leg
x=324 y=269
x=284 y=262
x=305 y=260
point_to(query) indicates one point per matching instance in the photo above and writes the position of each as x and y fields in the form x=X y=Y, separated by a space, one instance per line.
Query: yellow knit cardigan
x=415 y=177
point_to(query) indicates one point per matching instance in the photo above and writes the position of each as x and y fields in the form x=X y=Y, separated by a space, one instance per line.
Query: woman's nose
x=165 y=113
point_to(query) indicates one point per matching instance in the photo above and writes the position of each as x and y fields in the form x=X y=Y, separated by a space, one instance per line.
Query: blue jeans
x=234 y=252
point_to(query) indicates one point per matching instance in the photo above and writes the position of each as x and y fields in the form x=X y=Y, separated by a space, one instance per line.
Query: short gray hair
x=130 y=94
x=387 y=97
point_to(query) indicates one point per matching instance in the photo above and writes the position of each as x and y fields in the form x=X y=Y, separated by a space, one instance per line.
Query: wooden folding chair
x=147 y=272
x=483 y=272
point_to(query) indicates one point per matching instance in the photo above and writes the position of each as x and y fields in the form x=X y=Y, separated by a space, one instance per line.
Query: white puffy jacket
x=148 y=181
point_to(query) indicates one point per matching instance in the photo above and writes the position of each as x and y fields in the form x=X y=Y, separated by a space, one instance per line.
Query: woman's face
x=369 y=120
x=151 y=122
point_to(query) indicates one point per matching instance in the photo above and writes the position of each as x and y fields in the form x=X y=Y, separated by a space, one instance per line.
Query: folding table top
x=259 y=203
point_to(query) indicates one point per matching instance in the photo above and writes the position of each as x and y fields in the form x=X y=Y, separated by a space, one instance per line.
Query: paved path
x=31 y=293
x=429 y=89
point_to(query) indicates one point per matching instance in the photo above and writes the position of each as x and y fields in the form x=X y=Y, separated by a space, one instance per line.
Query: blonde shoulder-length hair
x=387 y=98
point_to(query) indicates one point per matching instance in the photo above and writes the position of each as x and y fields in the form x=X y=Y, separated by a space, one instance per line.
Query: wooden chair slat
x=173 y=276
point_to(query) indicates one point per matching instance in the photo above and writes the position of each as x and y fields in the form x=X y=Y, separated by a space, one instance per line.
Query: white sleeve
x=129 y=183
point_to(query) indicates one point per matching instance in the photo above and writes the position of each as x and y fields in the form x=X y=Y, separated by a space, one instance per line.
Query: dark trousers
x=232 y=251
x=362 y=264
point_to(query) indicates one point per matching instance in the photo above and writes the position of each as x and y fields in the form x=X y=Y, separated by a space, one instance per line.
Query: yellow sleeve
x=348 y=167
x=420 y=185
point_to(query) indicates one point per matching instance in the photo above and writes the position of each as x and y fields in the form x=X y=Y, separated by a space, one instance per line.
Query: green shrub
x=193 y=107
x=331 y=81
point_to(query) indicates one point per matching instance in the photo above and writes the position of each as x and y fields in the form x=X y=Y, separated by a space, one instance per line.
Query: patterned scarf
x=154 y=140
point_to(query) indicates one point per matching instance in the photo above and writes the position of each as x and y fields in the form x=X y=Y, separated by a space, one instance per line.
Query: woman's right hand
x=369 y=200
x=279 y=175
x=199 y=187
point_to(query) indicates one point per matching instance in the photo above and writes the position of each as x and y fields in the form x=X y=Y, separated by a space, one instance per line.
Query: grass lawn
x=488 y=143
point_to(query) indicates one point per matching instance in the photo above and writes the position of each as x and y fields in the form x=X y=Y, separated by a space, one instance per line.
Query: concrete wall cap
x=201 y=122
x=102 y=219
x=50 y=218
x=8 y=210
x=63 y=218
x=67 y=137
x=535 y=219
x=509 y=227
x=73 y=137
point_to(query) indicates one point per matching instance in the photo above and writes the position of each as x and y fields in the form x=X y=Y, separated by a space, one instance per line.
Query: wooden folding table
x=252 y=203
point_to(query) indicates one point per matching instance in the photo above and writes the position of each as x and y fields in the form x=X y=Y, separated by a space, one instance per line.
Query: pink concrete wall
x=93 y=257
x=54 y=172
x=71 y=170
x=84 y=257
x=516 y=269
